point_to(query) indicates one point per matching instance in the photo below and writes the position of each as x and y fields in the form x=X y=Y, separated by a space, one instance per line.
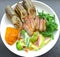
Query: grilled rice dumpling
x=21 y=11
x=28 y=5
x=13 y=17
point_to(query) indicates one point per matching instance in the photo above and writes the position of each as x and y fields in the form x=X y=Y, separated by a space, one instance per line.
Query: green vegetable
x=27 y=42
x=25 y=37
x=41 y=43
x=34 y=37
x=23 y=33
x=20 y=44
x=51 y=25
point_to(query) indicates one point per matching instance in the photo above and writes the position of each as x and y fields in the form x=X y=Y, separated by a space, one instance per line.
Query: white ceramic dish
x=5 y=22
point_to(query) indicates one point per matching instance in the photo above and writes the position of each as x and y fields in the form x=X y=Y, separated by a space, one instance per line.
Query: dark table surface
x=54 y=52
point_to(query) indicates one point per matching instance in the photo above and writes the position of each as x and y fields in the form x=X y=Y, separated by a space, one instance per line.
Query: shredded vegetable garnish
x=51 y=25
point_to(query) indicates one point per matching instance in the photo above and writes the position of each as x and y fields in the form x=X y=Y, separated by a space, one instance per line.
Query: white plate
x=5 y=22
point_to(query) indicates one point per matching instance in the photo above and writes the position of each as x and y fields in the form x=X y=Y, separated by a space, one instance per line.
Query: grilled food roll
x=28 y=5
x=20 y=11
x=9 y=12
x=13 y=17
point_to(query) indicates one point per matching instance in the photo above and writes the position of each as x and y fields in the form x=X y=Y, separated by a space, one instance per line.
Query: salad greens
x=34 y=37
x=24 y=41
x=40 y=43
x=29 y=41
x=20 y=44
x=51 y=25
x=23 y=33
x=26 y=37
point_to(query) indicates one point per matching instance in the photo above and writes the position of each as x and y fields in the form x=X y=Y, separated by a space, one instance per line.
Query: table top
x=54 y=52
